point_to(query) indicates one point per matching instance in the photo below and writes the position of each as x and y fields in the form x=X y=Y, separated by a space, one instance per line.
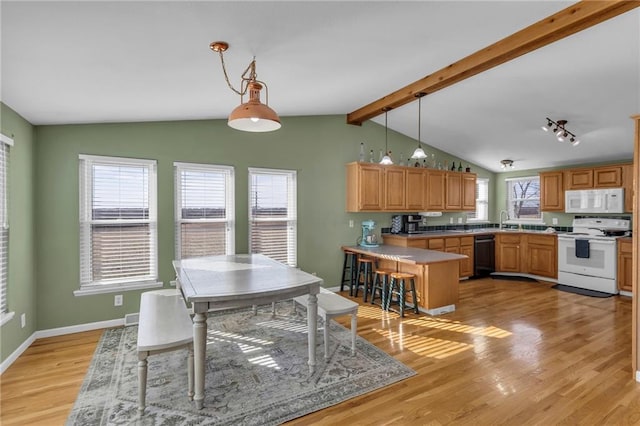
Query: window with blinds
x=272 y=214
x=481 y=214
x=5 y=144
x=204 y=202
x=118 y=221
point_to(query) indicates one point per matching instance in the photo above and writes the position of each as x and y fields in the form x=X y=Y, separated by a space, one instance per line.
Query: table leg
x=312 y=323
x=199 y=354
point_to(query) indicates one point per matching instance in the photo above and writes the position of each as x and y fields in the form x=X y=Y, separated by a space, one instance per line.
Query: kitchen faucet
x=506 y=214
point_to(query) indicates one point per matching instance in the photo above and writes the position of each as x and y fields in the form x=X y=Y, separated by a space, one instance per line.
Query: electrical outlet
x=117 y=300
x=459 y=220
x=23 y=320
x=451 y=220
x=554 y=220
x=351 y=223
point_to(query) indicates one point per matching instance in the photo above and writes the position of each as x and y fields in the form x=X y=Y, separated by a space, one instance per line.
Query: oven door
x=600 y=263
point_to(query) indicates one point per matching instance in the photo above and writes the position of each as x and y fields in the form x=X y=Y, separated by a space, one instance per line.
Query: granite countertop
x=477 y=231
x=416 y=256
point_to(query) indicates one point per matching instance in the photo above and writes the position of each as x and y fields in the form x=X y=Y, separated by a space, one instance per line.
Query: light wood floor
x=513 y=353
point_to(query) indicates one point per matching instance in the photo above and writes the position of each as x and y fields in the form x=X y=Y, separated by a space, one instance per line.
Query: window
x=482 y=202
x=523 y=199
x=5 y=144
x=118 y=224
x=272 y=214
x=204 y=214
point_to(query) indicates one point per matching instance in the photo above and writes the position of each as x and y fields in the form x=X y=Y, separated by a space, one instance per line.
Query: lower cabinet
x=625 y=247
x=527 y=253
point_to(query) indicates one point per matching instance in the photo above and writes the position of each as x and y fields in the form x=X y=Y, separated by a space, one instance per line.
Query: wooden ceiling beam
x=571 y=20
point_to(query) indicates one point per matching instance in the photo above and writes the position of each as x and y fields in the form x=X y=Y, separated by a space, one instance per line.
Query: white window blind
x=523 y=198
x=204 y=201
x=5 y=144
x=273 y=214
x=482 y=201
x=118 y=221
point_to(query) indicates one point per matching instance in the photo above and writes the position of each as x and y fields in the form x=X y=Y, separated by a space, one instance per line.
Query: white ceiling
x=123 y=61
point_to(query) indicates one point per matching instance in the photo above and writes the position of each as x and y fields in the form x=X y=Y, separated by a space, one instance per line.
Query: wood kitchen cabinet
x=394 y=188
x=541 y=255
x=508 y=253
x=460 y=191
x=625 y=247
x=580 y=179
x=595 y=177
x=552 y=191
x=435 y=186
x=627 y=180
x=365 y=184
x=416 y=192
x=527 y=253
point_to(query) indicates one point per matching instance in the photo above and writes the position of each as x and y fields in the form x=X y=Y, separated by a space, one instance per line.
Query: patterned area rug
x=256 y=374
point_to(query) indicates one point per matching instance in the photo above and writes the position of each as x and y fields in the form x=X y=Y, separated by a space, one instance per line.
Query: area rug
x=581 y=291
x=256 y=374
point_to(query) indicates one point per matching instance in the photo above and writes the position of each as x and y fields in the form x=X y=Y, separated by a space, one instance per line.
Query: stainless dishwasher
x=484 y=255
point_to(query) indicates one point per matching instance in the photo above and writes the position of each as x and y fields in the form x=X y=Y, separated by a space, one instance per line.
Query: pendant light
x=386 y=160
x=419 y=152
x=253 y=115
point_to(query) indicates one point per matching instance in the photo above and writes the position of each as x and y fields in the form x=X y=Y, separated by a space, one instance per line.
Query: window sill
x=114 y=288
x=6 y=317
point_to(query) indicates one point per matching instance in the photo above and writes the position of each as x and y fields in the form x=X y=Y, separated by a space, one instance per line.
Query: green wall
x=21 y=283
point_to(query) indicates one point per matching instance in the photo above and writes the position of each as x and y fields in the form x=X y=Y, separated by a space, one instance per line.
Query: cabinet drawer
x=625 y=246
x=545 y=240
x=466 y=241
x=435 y=244
x=512 y=239
x=452 y=242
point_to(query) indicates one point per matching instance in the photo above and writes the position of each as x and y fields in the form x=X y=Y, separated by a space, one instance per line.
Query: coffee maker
x=411 y=223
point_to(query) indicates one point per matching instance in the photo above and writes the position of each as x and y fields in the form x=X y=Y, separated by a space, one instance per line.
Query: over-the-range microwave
x=609 y=200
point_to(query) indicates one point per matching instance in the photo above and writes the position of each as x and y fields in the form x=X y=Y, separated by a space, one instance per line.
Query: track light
x=560 y=131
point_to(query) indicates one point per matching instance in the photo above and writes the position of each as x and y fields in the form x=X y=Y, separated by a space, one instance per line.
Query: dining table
x=230 y=281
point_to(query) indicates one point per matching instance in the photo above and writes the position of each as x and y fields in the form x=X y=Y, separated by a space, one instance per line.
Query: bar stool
x=349 y=266
x=381 y=284
x=398 y=288
x=365 y=271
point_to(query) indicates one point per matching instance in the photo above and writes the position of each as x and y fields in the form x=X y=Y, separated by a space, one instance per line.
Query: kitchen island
x=436 y=273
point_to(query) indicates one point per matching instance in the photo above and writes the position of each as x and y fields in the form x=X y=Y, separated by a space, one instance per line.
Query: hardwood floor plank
x=513 y=353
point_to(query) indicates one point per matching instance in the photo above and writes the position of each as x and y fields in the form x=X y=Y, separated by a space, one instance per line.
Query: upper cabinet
x=374 y=187
x=553 y=184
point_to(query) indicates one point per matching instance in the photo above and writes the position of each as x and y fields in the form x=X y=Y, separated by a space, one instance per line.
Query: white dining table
x=229 y=281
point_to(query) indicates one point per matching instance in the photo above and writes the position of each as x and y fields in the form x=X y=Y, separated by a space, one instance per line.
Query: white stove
x=587 y=257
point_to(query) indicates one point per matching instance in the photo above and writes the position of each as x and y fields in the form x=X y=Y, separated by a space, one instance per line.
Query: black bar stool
x=365 y=273
x=349 y=266
x=380 y=286
x=397 y=287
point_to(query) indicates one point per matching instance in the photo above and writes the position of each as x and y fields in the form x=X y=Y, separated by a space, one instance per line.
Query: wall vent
x=131 y=319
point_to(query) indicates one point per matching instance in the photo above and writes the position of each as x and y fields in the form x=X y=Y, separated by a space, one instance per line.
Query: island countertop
x=409 y=255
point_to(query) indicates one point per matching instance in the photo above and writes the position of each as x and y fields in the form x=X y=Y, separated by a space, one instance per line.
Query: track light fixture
x=507 y=165
x=253 y=115
x=560 y=131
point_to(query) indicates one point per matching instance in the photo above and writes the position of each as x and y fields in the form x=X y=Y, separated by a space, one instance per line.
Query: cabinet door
x=415 y=192
x=607 y=177
x=394 y=186
x=580 y=179
x=453 y=193
x=508 y=253
x=551 y=191
x=542 y=260
x=466 y=265
x=625 y=270
x=469 y=192
x=435 y=190
x=436 y=244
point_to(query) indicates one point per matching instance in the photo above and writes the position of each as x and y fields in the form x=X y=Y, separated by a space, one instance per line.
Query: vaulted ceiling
x=79 y=62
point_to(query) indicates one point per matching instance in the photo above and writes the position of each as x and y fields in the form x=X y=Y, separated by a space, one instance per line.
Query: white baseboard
x=60 y=331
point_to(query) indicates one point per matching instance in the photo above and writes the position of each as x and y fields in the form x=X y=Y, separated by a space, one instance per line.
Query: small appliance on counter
x=369 y=238
x=396 y=224
x=411 y=223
